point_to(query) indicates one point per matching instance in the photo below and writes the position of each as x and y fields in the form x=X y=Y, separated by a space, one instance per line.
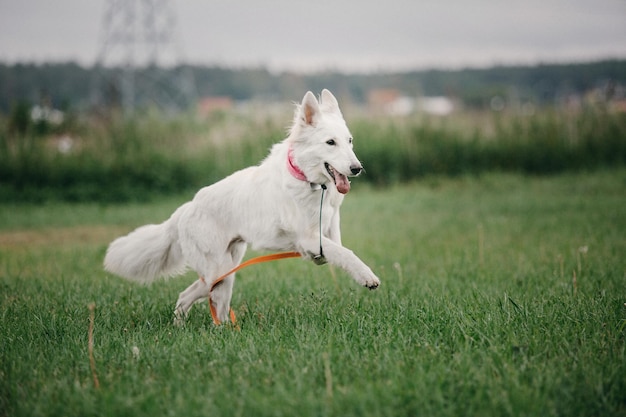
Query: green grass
x=477 y=314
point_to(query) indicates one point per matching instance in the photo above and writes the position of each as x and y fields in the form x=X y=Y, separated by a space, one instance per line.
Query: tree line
x=70 y=86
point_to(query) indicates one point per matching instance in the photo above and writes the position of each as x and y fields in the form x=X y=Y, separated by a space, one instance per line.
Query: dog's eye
x=350 y=141
x=331 y=142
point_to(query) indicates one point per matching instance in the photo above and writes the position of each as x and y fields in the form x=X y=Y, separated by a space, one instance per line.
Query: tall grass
x=121 y=162
x=547 y=143
x=137 y=159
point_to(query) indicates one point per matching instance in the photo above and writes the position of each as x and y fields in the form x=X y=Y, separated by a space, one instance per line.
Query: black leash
x=320 y=259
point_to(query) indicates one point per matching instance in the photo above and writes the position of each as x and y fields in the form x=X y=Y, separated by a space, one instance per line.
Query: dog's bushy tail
x=147 y=253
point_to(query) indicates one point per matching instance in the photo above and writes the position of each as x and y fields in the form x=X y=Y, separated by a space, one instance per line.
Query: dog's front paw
x=371 y=282
x=373 y=285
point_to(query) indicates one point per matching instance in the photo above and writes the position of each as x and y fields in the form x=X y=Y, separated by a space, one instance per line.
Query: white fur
x=263 y=206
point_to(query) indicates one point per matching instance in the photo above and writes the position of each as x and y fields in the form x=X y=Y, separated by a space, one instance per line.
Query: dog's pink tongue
x=342 y=183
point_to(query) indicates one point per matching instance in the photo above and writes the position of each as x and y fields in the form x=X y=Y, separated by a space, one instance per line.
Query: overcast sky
x=349 y=35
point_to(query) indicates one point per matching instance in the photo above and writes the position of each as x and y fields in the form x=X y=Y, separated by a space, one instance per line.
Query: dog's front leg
x=345 y=259
x=335 y=229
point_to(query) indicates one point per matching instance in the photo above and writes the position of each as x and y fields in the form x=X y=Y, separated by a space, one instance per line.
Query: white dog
x=274 y=206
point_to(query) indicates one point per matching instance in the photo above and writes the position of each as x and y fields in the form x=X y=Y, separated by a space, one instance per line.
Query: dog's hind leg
x=223 y=292
x=209 y=270
x=207 y=265
x=199 y=289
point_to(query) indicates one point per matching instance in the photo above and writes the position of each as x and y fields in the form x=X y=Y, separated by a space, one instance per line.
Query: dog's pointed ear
x=329 y=102
x=310 y=109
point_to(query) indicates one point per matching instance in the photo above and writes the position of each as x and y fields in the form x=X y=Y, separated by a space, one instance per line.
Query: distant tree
x=71 y=83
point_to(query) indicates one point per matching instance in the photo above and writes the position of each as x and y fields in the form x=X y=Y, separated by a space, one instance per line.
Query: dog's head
x=322 y=143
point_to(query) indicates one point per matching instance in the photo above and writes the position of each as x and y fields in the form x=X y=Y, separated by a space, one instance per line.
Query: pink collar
x=293 y=168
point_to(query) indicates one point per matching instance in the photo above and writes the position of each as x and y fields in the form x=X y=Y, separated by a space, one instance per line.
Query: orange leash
x=253 y=261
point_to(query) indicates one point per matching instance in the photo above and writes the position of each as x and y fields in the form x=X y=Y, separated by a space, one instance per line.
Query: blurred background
x=126 y=100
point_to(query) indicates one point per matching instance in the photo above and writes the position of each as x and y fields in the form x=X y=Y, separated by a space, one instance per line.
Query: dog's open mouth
x=341 y=181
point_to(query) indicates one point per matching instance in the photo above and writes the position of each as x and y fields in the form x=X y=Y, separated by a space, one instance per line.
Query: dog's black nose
x=356 y=169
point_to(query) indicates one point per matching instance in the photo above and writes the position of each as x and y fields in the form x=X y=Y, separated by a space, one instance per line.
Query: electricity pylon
x=139 y=58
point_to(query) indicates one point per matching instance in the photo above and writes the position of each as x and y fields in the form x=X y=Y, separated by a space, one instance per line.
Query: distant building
x=208 y=105
x=45 y=113
x=437 y=105
x=390 y=102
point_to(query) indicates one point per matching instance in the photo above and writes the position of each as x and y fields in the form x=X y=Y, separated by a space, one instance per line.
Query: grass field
x=501 y=295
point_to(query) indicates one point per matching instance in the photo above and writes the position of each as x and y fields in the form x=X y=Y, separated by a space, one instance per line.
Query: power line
x=139 y=60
